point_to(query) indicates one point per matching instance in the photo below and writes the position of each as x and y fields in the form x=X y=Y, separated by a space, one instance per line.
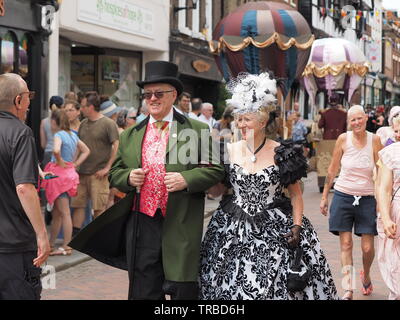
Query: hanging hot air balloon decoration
x=334 y=64
x=260 y=36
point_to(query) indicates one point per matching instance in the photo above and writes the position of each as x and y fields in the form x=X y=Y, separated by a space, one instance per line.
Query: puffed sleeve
x=291 y=162
x=390 y=155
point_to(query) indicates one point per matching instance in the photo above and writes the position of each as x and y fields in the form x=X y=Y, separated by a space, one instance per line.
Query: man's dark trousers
x=146 y=274
x=19 y=278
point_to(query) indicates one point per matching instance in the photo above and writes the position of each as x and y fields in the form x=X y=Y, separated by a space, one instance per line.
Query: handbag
x=298 y=273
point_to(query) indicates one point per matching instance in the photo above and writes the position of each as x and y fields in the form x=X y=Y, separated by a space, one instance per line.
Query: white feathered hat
x=251 y=92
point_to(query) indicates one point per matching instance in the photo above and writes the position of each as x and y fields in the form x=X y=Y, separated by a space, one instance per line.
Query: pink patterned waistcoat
x=153 y=194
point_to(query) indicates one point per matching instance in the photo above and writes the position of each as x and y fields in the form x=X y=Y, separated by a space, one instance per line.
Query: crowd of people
x=100 y=159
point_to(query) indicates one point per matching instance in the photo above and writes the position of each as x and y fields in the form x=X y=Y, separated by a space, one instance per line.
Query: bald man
x=24 y=245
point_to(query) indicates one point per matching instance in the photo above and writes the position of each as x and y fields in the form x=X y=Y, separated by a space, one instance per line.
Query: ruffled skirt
x=248 y=259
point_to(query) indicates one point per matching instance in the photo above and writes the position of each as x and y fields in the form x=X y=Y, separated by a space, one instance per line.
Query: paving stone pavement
x=80 y=277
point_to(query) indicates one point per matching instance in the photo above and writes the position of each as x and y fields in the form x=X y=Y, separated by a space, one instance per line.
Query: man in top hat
x=333 y=120
x=156 y=235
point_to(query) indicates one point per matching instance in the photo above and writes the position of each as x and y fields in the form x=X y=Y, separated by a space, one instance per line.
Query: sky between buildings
x=391 y=4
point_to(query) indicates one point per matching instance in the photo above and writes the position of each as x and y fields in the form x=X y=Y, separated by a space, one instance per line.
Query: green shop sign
x=120 y=15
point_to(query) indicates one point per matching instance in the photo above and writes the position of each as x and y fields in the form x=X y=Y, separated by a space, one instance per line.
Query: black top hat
x=161 y=72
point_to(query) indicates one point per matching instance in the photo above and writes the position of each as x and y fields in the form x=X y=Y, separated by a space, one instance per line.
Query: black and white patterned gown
x=243 y=254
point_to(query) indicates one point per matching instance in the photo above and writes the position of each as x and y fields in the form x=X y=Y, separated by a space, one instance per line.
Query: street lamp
x=176 y=9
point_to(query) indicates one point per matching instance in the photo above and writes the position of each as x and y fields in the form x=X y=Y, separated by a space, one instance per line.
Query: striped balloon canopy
x=334 y=64
x=260 y=36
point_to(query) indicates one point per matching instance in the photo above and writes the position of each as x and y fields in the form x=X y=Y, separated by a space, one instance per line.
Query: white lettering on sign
x=117 y=14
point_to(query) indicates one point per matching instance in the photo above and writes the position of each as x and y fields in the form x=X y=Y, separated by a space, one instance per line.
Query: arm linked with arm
x=205 y=175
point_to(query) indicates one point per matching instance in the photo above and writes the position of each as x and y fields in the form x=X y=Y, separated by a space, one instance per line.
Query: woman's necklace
x=253 y=157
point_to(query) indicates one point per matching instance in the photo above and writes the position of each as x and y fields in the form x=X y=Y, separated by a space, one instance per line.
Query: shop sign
x=47 y=18
x=117 y=14
x=2 y=8
x=201 y=65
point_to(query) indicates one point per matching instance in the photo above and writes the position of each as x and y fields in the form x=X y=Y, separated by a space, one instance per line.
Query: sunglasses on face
x=158 y=94
x=133 y=118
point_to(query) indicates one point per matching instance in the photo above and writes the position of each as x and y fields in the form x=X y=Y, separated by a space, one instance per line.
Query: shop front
x=24 y=30
x=103 y=46
x=198 y=72
x=108 y=71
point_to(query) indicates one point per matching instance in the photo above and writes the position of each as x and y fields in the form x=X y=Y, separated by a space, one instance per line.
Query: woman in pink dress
x=387 y=133
x=388 y=222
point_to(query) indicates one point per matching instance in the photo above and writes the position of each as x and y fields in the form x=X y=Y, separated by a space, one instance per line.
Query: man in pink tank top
x=353 y=203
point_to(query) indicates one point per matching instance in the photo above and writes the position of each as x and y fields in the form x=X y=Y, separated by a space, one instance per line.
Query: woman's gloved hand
x=293 y=237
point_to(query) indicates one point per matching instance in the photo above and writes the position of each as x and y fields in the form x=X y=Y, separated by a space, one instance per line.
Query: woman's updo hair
x=56 y=102
x=263 y=114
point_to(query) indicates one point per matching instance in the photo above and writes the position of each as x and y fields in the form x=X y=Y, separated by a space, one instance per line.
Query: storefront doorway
x=108 y=71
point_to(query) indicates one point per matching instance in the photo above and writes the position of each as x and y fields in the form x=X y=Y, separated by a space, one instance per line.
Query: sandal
x=61 y=252
x=366 y=288
x=348 y=295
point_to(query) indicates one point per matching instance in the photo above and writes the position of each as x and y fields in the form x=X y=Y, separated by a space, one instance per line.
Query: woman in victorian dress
x=247 y=249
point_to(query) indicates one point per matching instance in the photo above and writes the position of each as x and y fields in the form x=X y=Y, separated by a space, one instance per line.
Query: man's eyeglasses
x=158 y=94
x=133 y=118
x=31 y=94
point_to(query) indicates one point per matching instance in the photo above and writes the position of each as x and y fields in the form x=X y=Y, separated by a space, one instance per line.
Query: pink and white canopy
x=334 y=64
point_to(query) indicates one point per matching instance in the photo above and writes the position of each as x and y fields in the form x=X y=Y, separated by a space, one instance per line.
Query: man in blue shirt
x=299 y=131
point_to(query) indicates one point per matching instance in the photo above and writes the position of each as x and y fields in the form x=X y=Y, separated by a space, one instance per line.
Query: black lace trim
x=291 y=162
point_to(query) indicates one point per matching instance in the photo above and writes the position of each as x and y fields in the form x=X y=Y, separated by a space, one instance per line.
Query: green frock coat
x=105 y=239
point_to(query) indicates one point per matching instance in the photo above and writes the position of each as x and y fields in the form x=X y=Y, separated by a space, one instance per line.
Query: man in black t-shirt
x=24 y=244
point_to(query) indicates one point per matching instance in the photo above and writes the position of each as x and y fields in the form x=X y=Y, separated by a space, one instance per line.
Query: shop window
x=82 y=73
x=117 y=76
x=23 y=56
x=8 y=53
